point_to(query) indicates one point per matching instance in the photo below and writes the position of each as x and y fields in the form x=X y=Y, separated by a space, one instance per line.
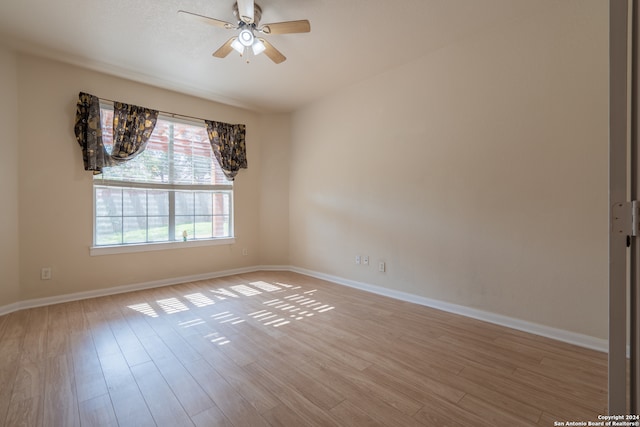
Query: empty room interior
x=410 y=228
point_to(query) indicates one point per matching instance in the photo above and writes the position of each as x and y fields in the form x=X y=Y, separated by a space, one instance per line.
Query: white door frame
x=623 y=189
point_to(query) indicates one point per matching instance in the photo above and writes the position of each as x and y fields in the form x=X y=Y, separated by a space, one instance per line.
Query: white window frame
x=165 y=245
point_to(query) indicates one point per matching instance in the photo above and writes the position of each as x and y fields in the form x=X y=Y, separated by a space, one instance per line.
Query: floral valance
x=89 y=132
x=228 y=144
x=132 y=128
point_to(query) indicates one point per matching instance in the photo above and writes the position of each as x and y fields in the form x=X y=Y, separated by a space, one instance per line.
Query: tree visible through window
x=173 y=191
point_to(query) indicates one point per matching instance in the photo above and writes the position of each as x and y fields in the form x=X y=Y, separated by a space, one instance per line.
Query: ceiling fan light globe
x=246 y=37
x=258 y=47
x=237 y=46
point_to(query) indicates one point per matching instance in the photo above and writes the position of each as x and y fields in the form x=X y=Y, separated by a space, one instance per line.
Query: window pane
x=108 y=201
x=203 y=203
x=194 y=161
x=108 y=231
x=158 y=204
x=184 y=223
x=184 y=203
x=221 y=203
x=134 y=229
x=158 y=229
x=221 y=226
x=134 y=202
x=204 y=227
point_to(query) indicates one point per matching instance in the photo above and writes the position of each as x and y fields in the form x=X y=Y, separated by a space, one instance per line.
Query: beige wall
x=477 y=173
x=55 y=198
x=9 y=243
x=275 y=140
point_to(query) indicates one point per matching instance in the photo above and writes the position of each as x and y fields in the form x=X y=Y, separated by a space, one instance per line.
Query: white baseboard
x=10 y=308
x=510 y=322
x=498 y=319
x=273 y=268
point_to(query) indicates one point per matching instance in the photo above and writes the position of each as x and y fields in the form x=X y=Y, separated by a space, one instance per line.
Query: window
x=173 y=191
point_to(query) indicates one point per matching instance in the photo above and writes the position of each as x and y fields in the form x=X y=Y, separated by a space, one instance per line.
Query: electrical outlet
x=381 y=267
x=45 y=273
x=357 y=259
x=365 y=260
x=245 y=252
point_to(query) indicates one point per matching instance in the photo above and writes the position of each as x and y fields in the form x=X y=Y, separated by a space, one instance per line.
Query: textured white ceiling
x=350 y=40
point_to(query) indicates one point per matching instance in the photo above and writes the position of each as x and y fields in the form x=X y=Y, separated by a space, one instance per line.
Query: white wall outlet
x=381 y=267
x=45 y=273
x=365 y=260
x=245 y=252
x=357 y=259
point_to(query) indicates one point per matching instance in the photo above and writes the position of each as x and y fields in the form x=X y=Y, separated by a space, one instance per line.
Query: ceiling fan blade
x=302 y=26
x=225 y=49
x=273 y=53
x=245 y=10
x=210 y=21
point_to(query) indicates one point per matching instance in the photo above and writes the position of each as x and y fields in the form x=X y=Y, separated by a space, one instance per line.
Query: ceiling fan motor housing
x=257 y=14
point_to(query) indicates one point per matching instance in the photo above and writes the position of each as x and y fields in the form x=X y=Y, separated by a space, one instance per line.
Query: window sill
x=147 y=247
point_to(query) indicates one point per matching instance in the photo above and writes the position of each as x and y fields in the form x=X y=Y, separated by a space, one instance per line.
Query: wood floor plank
x=25 y=413
x=130 y=407
x=237 y=410
x=29 y=380
x=3 y=325
x=57 y=342
x=76 y=317
x=537 y=396
x=443 y=413
x=560 y=386
x=116 y=372
x=242 y=382
x=34 y=345
x=103 y=339
x=456 y=358
x=503 y=400
x=8 y=374
x=350 y=415
x=283 y=416
x=186 y=389
x=489 y=413
x=556 y=349
x=128 y=341
x=162 y=402
x=60 y=400
x=419 y=387
x=328 y=346
x=98 y=412
x=16 y=325
x=90 y=382
x=299 y=407
x=211 y=417
x=346 y=381
x=282 y=349
x=315 y=391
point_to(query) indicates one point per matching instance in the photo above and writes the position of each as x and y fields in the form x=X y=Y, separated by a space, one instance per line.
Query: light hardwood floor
x=282 y=349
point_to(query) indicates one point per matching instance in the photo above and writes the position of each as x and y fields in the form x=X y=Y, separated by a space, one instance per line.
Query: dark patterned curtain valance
x=228 y=144
x=132 y=127
x=89 y=132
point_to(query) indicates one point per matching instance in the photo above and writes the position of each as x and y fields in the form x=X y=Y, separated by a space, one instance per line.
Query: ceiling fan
x=248 y=14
